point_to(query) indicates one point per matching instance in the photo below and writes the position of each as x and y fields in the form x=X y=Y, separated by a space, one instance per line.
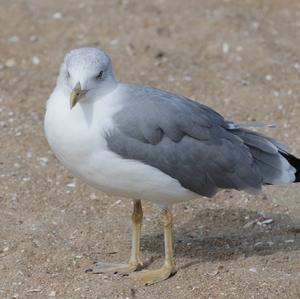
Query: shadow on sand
x=221 y=234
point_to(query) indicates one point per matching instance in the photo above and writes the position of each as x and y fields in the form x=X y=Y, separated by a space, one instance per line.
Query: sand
x=239 y=57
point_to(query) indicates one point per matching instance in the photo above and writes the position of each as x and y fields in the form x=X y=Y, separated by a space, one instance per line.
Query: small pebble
x=269 y=78
x=57 y=16
x=52 y=294
x=116 y=202
x=160 y=54
x=35 y=60
x=187 y=78
x=255 y=25
x=43 y=161
x=225 y=48
x=71 y=185
x=13 y=39
x=10 y=63
x=214 y=273
x=33 y=38
x=36 y=290
x=296 y=66
x=253 y=270
x=114 y=42
x=93 y=196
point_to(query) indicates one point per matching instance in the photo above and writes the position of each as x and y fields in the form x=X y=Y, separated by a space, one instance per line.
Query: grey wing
x=190 y=142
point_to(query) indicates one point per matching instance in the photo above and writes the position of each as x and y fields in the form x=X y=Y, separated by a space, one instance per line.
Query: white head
x=86 y=71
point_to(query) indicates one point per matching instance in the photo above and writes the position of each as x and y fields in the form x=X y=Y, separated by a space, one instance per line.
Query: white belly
x=77 y=139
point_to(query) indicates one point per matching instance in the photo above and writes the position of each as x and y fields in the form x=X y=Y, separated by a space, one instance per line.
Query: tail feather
x=295 y=162
x=275 y=163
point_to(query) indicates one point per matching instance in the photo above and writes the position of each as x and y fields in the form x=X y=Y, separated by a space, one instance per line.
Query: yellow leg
x=137 y=221
x=134 y=261
x=169 y=267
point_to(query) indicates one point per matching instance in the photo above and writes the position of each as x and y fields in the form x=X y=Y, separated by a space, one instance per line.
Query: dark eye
x=68 y=74
x=99 y=76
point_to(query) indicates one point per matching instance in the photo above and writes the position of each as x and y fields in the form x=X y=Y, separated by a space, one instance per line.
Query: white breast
x=77 y=137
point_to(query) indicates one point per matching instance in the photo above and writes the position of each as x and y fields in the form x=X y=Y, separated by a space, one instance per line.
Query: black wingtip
x=295 y=162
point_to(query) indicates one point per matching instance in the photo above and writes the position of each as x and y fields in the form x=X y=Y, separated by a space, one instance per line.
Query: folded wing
x=194 y=144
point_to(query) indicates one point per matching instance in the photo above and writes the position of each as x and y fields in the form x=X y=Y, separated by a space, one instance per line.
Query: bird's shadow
x=222 y=234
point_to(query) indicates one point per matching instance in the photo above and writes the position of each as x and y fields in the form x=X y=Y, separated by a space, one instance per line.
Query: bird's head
x=85 y=70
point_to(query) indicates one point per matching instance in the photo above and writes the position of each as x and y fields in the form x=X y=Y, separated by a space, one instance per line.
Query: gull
x=149 y=144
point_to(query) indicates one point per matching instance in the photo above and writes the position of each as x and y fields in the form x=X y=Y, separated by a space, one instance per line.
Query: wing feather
x=192 y=143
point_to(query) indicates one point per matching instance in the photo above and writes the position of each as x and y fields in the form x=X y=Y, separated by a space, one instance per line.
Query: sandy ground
x=240 y=57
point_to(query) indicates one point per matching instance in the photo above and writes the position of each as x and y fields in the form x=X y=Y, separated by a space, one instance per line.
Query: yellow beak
x=76 y=94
